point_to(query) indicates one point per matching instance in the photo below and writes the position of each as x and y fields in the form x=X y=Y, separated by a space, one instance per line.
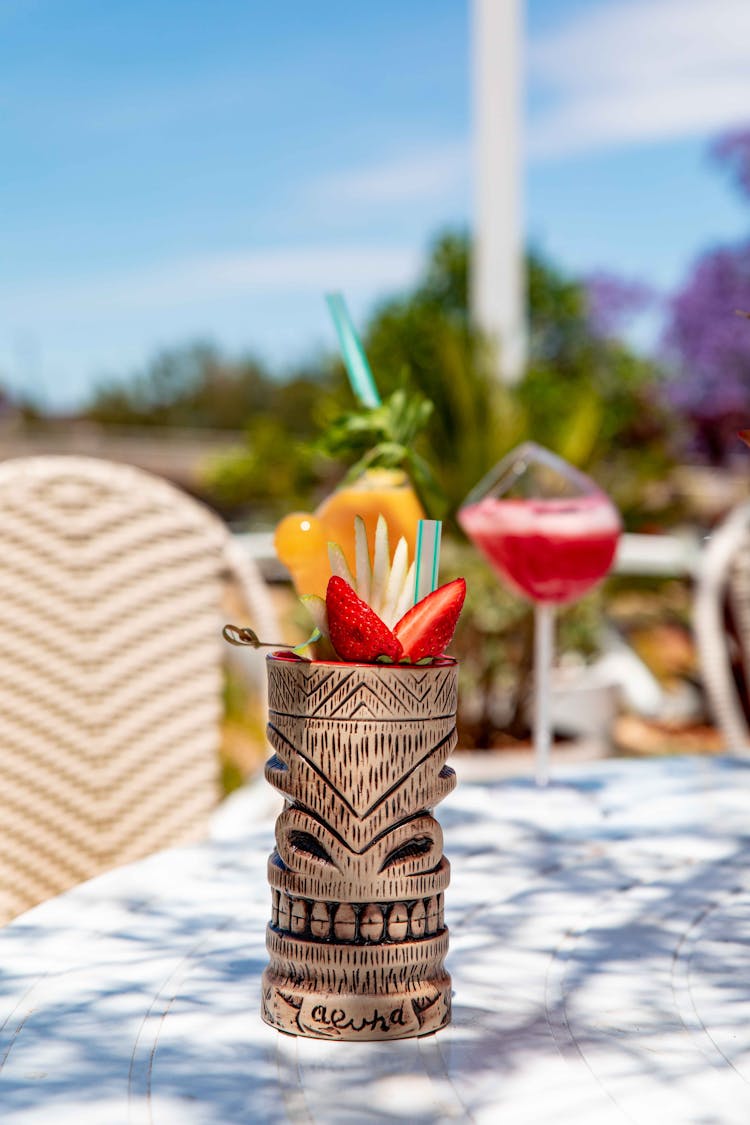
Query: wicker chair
x=110 y=684
x=721 y=623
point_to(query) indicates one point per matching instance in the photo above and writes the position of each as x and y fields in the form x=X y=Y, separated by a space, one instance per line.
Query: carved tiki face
x=358 y=873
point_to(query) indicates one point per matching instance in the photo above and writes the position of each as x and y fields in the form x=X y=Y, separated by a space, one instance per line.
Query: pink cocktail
x=550 y=534
x=548 y=550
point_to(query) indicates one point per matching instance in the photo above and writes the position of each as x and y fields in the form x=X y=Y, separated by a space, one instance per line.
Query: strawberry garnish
x=356 y=631
x=428 y=627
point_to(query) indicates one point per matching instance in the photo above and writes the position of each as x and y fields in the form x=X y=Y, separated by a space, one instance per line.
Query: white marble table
x=600 y=953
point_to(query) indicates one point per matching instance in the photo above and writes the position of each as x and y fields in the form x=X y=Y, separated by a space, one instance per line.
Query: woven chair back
x=110 y=671
x=721 y=619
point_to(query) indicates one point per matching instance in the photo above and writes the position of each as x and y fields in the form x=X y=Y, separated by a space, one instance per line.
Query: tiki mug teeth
x=357 y=939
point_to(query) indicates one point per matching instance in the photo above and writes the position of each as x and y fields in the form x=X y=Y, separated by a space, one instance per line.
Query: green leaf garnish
x=314 y=636
x=383 y=437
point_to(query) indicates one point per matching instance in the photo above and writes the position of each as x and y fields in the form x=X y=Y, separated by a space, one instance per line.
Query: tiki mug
x=357 y=939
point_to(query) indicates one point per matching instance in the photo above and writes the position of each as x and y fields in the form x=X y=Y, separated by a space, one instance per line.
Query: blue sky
x=174 y=170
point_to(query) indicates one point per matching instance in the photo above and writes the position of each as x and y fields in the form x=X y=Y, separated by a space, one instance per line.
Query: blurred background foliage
x=705 y=345
x=626 y=417
x=630 y=420
x=585 y=394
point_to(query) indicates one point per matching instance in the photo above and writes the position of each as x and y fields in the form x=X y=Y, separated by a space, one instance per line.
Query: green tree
x=270 y=474
x=426 y=338
x=585 y=394
x=589 y=397
x=194 y=386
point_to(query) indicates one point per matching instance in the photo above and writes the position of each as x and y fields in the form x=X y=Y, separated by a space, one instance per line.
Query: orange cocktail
x=302 y=538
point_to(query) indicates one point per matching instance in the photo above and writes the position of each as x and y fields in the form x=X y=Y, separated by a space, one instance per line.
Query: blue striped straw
x=352 y=352
x=427 y=558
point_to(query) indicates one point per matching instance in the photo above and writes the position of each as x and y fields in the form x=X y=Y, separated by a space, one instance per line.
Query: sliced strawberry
x=427 y=628
x=356 y=631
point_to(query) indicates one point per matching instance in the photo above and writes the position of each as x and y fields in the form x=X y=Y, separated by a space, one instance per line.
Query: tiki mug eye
x=419 y=845
x=305 y=843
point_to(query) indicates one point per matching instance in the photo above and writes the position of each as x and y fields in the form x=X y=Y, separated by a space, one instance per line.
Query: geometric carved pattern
x=357 y=938
x=110 y=693
x=342 y=691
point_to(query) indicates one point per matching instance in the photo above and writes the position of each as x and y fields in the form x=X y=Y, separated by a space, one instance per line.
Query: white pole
x=497 y=282
x=544 y=633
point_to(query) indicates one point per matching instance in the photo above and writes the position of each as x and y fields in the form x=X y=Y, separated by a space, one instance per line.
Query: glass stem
x=544 y=621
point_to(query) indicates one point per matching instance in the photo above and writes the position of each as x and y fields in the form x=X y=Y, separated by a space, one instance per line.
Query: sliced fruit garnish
x=369 y=617
x=395 y=583
x=316 y=607
x=339 y=565
x=381 y=566
x=355 y=630
x=313 y=639
x=427 y=628
x=386 y=586
x=363 y=581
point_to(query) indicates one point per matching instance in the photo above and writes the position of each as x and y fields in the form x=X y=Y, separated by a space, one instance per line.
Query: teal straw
x=352 y=352
x=427 y=558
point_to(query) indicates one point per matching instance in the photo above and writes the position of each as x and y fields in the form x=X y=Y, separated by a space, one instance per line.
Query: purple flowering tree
x=612 y=301
x=707 y=344
x=733 y=151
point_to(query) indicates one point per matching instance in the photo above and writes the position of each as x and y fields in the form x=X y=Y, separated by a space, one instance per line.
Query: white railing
x=658 y=555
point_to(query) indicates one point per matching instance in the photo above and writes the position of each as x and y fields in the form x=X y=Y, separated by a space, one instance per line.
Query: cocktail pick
x=243 y=636
x=426 y=558
x=352 y=352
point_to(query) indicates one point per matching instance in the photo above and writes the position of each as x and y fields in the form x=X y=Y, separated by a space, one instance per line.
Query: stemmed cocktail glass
x=551 y=534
